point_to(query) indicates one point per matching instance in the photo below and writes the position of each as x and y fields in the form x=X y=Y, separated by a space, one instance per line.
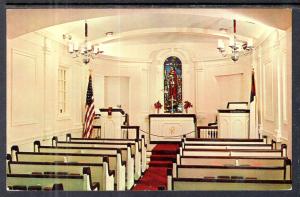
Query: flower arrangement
x=187 y=105
x=157 y=106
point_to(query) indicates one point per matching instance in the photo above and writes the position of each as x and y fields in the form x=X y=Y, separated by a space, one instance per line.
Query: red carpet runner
x=156 y=175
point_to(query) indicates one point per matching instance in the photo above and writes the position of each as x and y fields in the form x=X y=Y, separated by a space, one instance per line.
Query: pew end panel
x=130 y=168
x=108 y=176
x=169 y=180
x=121 y=172
x=14 y=152
x=36 y=146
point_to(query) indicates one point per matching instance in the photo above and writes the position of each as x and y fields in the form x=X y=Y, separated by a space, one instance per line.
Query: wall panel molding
x=23 y=64
x=268 y=90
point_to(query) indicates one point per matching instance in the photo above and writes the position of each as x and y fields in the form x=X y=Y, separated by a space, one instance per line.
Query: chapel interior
x=149 y=99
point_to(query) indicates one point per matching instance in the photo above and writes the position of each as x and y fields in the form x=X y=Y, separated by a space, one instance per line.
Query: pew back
x=232 y=152
x=69 y=182
x=229 y=146
x=99 y=172
x=125 y=154
x=133 y=146
x=232 y=161
x=114 y=161
x=223 y=185
x=202 y=171
x=142 y=146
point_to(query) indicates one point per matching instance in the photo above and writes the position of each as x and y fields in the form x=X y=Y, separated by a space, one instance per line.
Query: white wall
x=32 y=85
x=200 y=83
x=272 y=61
x=214 y=79
x=32 y=109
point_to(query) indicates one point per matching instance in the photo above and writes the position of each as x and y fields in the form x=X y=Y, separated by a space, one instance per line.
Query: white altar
x=171 y=126
x=232 y=122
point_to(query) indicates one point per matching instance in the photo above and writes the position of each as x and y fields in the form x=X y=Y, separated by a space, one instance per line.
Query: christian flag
x=253 y=117
x=252 y=95
x=90 y=111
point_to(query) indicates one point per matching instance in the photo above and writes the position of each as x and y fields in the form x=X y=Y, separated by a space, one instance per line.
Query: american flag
x=90 y=111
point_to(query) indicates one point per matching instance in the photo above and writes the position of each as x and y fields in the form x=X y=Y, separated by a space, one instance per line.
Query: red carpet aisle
x=156 y=175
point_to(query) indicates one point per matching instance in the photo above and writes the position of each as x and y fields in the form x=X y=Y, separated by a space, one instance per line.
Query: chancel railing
x=130 y=132
x=207 y=132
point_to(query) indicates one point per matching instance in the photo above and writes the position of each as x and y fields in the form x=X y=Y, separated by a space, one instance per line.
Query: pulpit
x=233 y=122
x=111 y=121
x=171 y=127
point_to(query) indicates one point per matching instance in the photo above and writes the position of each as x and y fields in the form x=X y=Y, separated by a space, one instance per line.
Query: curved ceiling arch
x=22 y=21
x=161 y=31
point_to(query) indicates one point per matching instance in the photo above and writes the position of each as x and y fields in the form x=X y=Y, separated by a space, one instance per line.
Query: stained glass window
x=172 y=85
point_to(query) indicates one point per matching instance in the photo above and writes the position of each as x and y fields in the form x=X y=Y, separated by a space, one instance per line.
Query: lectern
x=111 y=121
x=233 y=122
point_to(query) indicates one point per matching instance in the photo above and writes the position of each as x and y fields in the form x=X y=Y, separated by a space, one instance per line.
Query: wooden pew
x=231 y=160
x=224 y=140
x=133 y=145
x=228 y=146
x=125 y=152
x=237 y=161
x=259 y=172
x=225 y=184
x=98 y=172
x=80 y=182
x=235 y=152
x=115 y=161
x=141 y=143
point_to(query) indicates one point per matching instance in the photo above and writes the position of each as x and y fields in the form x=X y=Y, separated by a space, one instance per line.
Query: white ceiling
x=21 y=21
x=147 y=26
x=133 y=22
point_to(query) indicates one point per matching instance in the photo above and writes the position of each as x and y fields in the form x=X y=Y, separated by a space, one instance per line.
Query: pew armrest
x=95 y=186
x=111 y=172
x=169 y=180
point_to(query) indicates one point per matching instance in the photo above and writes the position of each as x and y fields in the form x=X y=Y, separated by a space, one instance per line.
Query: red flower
x=187 y=104
x=157 y=105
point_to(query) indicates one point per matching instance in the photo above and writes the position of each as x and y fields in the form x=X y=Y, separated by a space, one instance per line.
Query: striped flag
x=90 y=111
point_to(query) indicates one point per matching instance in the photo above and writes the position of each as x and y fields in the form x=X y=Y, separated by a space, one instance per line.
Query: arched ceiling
x=22 y=21
x=143 y=28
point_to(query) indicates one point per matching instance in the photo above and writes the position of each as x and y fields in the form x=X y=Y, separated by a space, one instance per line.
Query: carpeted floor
x=161 y=159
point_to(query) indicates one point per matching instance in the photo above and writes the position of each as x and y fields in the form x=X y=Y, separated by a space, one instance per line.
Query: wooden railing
x=130 y=132
x=207 y=132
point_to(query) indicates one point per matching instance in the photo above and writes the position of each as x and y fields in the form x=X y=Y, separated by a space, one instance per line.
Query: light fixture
x=237 y=47
x=86 y=49
x=109 y=34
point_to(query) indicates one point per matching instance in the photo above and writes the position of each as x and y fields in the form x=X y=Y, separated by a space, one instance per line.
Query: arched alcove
x=172 y=85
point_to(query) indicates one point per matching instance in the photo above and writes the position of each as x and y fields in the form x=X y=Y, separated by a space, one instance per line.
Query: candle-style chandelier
x=238 y=47
x=86 y=49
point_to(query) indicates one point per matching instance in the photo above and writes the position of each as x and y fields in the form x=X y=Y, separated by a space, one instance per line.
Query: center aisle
x=162 y=157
